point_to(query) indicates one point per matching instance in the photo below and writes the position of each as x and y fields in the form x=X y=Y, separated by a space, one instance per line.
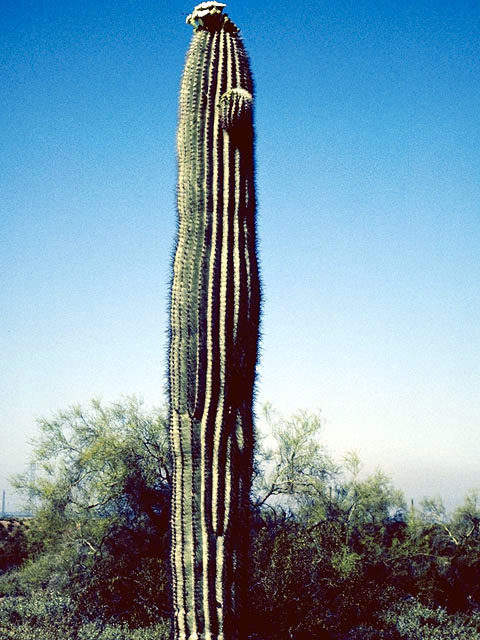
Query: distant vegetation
x=335 y=555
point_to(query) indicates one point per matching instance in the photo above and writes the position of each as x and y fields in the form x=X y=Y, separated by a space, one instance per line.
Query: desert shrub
x=333 y=554
x=124 y=586
x=306 y=583
x=24 y=619
x=125 y=579
x=409 y=619
x=417 y=622
x=48 y=570
x=49 y=612
x=92 y=631
x=101 y=497
x=13 y=543
x=49 y=615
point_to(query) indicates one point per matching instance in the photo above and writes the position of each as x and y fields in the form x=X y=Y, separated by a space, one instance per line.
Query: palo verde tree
x=214 y=318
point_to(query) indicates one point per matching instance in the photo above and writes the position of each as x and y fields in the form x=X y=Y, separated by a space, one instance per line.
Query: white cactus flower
x=204 y=9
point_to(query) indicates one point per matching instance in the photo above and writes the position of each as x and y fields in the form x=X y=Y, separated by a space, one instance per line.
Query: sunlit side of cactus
x=214 y=316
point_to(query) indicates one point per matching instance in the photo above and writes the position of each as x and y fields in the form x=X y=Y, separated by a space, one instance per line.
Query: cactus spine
x=214 y=318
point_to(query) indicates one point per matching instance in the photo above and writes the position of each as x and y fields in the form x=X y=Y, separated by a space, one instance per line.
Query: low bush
x=411 y=620
x=47 y=615
x=13 y=544
x=334 y=556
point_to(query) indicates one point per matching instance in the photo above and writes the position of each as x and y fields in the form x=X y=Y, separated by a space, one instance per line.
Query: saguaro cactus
x=214 y=317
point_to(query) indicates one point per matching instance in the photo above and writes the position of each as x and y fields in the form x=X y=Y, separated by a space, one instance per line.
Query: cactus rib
x=214 y=320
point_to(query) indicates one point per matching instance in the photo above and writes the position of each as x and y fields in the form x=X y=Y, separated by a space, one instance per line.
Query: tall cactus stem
x=214 y=321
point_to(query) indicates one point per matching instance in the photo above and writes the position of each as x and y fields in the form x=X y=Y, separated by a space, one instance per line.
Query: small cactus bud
x=235 y=107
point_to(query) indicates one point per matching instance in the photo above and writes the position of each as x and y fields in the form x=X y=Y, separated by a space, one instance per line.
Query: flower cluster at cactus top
x=204 y=10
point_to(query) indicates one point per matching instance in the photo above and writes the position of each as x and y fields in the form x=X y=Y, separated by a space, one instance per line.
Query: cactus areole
x=214 y=316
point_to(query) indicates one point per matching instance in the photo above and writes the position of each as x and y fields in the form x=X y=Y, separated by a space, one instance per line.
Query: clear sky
x=368 y=158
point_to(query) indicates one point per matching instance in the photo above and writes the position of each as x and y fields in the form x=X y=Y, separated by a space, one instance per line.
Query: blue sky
x=368 y=150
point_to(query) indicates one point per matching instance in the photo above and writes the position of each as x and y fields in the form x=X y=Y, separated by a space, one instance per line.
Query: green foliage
x=84 y=456
x=159 y=631
x=48 y=615
x=411 y=620
x=40 y=614
x=101 y=496
x=293 y=465
x=417 y=622
x=335 y=554
x=307 y=583
x=13 y=543
x=325 y=534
